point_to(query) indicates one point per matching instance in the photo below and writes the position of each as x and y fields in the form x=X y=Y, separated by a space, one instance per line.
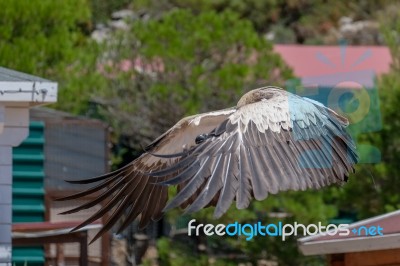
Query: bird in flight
x=271 y=141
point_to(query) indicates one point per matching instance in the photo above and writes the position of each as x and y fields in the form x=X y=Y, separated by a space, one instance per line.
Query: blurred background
x=137 y=66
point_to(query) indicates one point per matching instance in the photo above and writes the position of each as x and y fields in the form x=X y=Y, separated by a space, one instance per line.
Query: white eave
x=319 y=245
x=348 y=245
x=18 y=88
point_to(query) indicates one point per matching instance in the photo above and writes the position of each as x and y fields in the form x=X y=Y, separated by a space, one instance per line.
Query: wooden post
x=60 y=260
x=83 y=261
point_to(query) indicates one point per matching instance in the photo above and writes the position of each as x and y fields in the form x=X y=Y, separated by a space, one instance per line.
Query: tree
x=182 y=64
x=195 y=73
x=295 y=21
x=380 y=182
x=50 y=39
x=37 y=36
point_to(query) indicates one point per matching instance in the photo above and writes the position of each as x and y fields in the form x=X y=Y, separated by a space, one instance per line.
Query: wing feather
x=214 y=184
x=243 y=195
x=131 y=192
x=260 y=190
x=282 y=142
x=285 y=143
x=229 y=187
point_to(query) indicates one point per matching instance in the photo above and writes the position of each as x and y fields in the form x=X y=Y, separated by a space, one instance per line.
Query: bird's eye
x=201 y=138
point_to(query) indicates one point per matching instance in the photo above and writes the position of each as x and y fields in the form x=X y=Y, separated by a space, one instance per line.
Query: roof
x=41 y=113
x=21 y=87
x=358 y=240
x=12 y=75
x=334 y=64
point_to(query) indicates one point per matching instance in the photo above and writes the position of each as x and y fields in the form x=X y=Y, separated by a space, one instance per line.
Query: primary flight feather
x=271 y=141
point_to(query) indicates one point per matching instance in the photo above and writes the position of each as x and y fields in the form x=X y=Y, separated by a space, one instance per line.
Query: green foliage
x=178 y=254
x=299 y=21
x=195 y=64
x=36 y=36
x=390 y=27
x=48 y=38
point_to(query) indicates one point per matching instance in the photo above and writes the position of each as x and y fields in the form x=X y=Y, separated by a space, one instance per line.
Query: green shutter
x=28 y=190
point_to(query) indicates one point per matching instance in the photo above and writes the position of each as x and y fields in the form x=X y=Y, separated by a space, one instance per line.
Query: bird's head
x=259 y=94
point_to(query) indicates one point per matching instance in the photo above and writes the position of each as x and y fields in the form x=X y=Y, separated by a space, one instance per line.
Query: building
x=60 y=147
x=18 y=93
x=370 y=242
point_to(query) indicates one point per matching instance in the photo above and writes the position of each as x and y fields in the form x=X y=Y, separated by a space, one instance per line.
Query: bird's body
x=271 y=141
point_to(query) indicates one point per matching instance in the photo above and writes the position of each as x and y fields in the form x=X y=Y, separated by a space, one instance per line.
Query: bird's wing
x=283 y=143
x=129 y=191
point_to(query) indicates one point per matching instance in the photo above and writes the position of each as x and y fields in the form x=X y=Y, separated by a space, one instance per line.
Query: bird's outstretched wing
x=283 y=143
x=129 y=192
